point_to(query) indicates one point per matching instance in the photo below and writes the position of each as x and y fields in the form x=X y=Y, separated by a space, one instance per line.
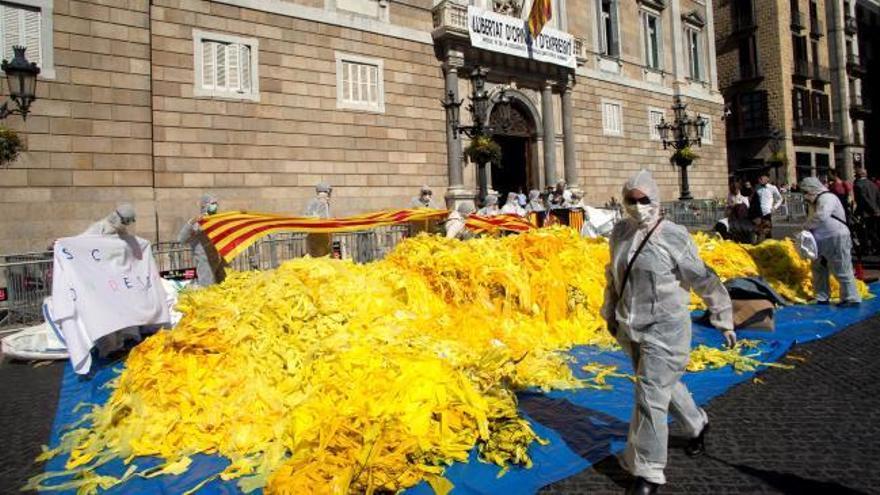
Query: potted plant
x=777 y=157
x=483 y=150
x=10 y=146
x=684 y=156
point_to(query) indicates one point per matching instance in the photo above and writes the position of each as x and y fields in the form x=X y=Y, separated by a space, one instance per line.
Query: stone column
x=709 y=33
x=549 y=134
x=456 y=190
x=571 y=171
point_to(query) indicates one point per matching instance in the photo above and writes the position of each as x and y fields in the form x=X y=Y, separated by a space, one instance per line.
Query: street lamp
x=478 y=107
x=21 y=76
x=680 y=134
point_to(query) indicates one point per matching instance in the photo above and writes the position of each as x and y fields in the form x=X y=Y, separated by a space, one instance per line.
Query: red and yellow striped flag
x=235 y=231
x=542 y=11
x=510 y=223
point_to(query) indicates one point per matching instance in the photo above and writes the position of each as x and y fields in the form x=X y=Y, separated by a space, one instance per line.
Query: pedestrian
x=867 y=200
x=735 y=196
x=424 y=199
x=210 y=266
x=736 y=226
x=828 y=225
x=455 y=222
x=319 y=206
x=560 y=196
x=116 y=223
x=654 y=263
x=490 y=206
x=768 y=199
x=747 y=189
x=843 y=190
x=512 y=207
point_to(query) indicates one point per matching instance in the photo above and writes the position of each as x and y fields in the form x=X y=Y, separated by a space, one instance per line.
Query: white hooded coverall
x=833 y=241
x=653 y=325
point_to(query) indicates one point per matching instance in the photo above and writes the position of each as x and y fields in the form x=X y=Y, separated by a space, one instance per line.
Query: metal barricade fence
x=696 y=213
x=27 y=279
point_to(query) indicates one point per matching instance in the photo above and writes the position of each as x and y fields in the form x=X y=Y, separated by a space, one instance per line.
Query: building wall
x=88 y=137
x=268 y=156
x=120 y=121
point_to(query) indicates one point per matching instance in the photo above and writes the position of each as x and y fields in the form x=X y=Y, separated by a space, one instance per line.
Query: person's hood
x=812 y=186
x=643 y=182
x=206 y=199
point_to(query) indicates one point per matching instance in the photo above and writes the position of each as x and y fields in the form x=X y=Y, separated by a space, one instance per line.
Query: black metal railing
x=821 y=73
x=798 y=20
x=817 y=30
x=802 y=68
x=814 y=127
x=747 y=72
x=850 y=25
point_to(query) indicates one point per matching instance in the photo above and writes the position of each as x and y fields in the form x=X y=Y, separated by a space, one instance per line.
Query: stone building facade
x=257 y=101
x=863 y=75
x=773 y=64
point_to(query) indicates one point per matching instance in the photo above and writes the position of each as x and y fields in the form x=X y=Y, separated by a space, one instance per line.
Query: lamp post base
x=683 y=164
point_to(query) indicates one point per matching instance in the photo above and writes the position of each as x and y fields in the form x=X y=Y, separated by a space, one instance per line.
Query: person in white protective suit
x=512 y=206
x=115 y=223
x=455 y=223
x=424 y=199
x=210 y=267
x=827 y=223
x=648 y=314
x=490 y=206
x=319 y=206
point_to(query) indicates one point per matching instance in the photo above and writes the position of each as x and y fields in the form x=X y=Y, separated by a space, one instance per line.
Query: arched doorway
x=516 y=132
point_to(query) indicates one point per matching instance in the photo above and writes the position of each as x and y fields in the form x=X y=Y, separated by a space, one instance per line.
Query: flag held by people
x=539 y=15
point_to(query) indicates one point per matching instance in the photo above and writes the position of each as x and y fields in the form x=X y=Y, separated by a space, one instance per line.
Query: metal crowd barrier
x=26 y=279
x=695 y=213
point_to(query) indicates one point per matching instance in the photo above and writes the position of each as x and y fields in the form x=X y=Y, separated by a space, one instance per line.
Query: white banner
x=100 y=285
x=500 y=33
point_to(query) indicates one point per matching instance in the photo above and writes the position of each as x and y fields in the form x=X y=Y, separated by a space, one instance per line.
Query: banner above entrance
x=500 y=33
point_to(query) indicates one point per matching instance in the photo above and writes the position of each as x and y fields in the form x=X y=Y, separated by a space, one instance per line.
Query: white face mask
x=640 y=213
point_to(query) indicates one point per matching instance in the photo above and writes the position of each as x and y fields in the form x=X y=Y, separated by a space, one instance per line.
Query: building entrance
x=517 y=170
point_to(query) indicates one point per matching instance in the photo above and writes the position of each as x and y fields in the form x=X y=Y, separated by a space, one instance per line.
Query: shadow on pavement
x=790 y=483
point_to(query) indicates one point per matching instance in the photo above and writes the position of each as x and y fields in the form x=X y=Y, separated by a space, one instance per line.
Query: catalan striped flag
x=235 y=231
x=510 y=223
x=542 y=11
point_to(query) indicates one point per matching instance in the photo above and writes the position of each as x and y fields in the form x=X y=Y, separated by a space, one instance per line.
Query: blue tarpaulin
x=583 y=426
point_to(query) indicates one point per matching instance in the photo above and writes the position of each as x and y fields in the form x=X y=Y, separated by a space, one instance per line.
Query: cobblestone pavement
x=815 y=429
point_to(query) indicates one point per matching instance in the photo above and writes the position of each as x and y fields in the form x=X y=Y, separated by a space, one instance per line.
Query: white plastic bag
x=806 y=246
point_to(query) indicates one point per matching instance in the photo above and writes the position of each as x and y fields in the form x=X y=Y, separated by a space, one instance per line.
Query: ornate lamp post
x=21 y=76
x=680 y=134
x=479 y=110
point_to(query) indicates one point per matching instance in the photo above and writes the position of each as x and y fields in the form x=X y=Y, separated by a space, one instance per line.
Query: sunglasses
x=644 y=200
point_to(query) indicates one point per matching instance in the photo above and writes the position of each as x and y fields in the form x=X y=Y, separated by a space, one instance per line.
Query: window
x=694 y=39
x=655 y=116
x=28 y=24
x=748 y=58
x=706 y=137
x=743 y=17
x=749 y=115
x=226 y=66
x=609 y=44
x=359 y=84
x=651 y=26
x=612 y=118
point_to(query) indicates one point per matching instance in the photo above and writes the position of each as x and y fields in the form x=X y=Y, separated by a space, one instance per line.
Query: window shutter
x=208 y=65
x=614 y=49
x=232 y=52
x=221 y=67
x=32 y=36
x=245 y=61
x=12 y=30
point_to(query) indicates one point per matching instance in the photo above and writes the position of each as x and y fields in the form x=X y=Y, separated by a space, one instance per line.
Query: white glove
x=730 y=338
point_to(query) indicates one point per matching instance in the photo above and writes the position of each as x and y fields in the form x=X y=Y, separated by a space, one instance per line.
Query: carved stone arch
x=523 y=107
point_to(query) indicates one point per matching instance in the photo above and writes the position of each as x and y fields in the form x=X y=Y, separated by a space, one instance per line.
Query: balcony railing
x=802 y=68
x=451 y=15
x=850 y=25
x=744 y=22
x=747 y=72
x=821 y=73
x=817 y=30
x=798 y=22
x=854 y=64
x=860 y=105
x=735 y=131
x=814 y=127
